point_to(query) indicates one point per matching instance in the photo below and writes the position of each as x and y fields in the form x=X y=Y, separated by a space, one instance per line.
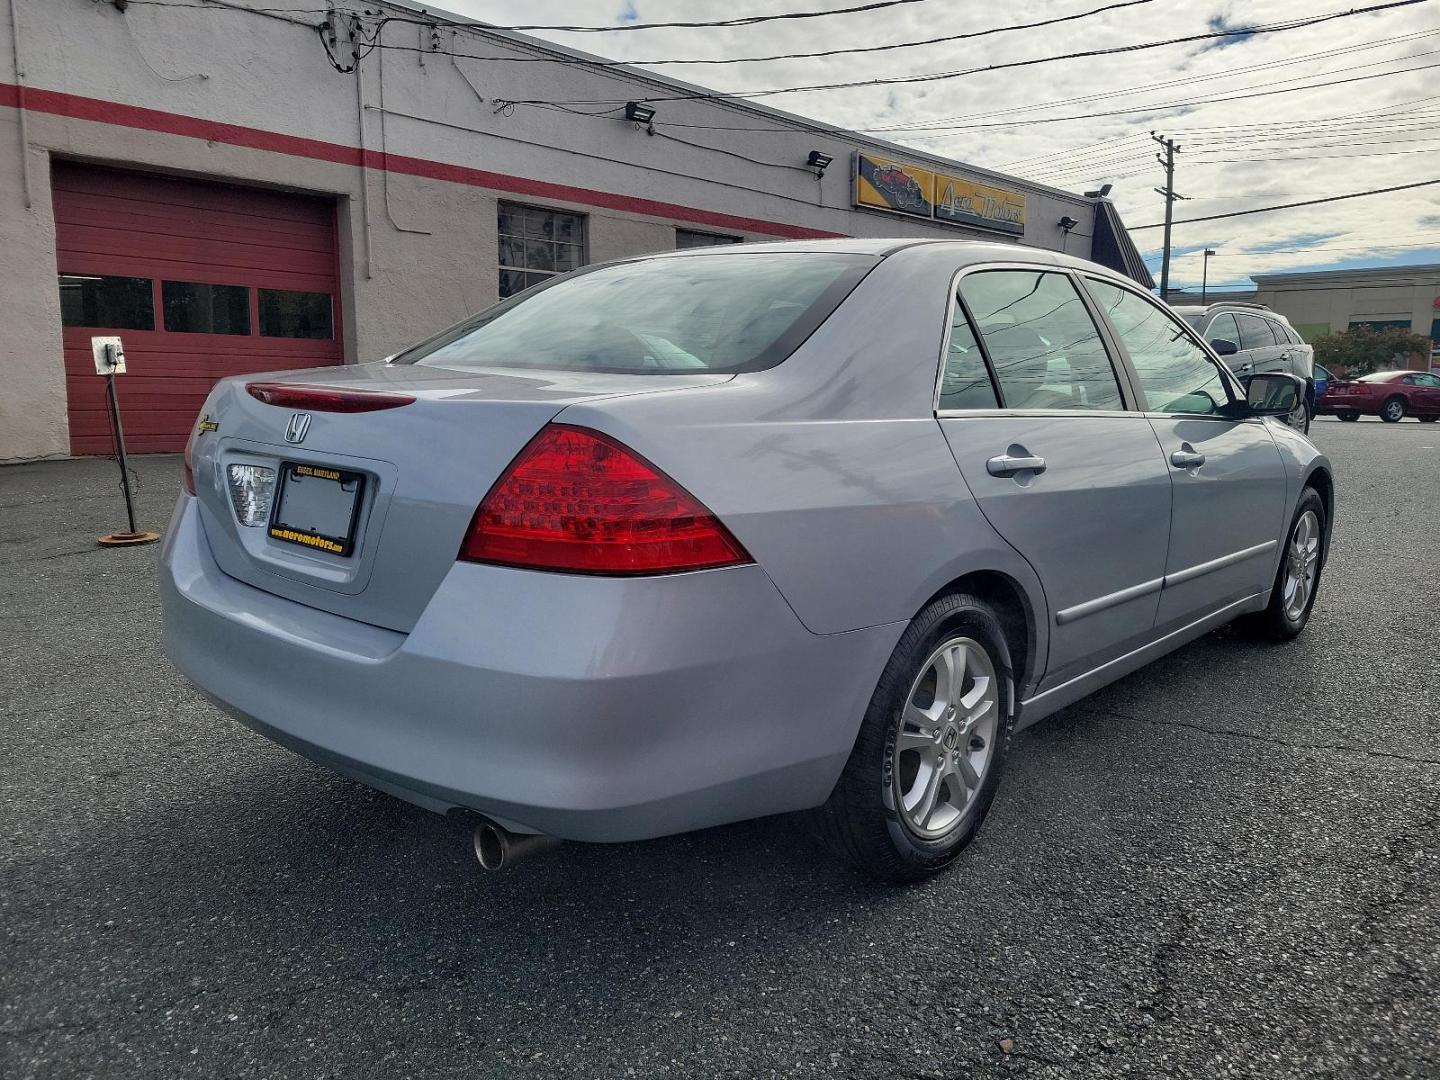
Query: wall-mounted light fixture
x=1066 y=224
x=819 y=162
x=1104 y=191
x=641 y=113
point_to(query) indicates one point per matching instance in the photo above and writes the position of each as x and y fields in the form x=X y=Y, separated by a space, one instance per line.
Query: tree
x=1362 y=350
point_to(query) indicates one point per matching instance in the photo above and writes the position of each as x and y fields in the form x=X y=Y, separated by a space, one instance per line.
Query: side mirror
x=1273 y=393
x=1224 y=346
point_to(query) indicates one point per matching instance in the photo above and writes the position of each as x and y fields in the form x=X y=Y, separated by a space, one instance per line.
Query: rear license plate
x=316 y=507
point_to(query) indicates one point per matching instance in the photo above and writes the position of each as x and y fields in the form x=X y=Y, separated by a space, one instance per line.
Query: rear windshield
x=674 y=315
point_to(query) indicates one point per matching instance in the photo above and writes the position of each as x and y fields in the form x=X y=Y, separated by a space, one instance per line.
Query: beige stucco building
x=244 y=185
x=1326 y=301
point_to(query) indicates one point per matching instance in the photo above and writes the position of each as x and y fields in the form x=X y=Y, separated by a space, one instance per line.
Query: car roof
x=1383 y=376
x=970 y=251
x=1236 y=306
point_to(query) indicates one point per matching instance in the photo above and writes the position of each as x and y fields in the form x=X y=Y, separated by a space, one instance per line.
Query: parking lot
x=1224 y=865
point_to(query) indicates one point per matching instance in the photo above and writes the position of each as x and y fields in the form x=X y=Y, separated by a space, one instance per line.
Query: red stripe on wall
x=133 y=116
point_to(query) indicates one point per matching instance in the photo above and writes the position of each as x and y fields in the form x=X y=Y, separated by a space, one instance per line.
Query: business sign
x=966 y=202
x=890 y=185
x=884 y=184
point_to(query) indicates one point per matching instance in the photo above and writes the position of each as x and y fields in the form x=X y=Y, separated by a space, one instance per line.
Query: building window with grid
x=689 y=238
x=536 y=244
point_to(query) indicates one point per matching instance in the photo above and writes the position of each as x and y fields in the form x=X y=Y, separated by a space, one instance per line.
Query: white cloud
x=1224 y=164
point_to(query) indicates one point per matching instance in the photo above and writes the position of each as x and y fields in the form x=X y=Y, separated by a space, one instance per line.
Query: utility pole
x=1205 y=274
x=1171 y=148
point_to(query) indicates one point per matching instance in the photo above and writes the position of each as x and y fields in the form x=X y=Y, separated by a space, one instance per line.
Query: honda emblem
x=298 y=426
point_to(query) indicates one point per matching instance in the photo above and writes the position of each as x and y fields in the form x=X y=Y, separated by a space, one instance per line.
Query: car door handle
x=1005 y=465
x=1187 y=459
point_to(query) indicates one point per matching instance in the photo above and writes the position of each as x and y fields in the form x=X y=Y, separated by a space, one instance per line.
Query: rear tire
x=1393 y=411
x=876 y=817
x=1301 y=562
x=1348 y=416
x=1428 y=419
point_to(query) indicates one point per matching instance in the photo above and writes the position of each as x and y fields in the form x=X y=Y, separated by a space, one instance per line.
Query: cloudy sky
x=1374 y=126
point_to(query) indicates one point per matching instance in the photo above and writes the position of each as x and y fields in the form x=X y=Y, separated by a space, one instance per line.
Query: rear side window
x=1283 y=334
x=1044 y=346
x=717 y=312
x=1255 y=333
x=966 y=383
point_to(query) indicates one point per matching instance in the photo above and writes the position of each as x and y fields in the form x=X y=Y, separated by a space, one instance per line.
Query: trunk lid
x=422 y=469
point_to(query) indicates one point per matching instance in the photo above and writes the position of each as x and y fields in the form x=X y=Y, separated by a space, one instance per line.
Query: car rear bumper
x=589 y=708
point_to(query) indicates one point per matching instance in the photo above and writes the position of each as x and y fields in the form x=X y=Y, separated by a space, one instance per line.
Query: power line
x=942 y=123
x=937 y=76
x=752 y=20
x=1293 y=205
x=862 y=48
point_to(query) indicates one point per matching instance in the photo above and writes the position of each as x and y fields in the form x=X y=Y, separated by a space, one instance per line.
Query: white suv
x=1251 y=338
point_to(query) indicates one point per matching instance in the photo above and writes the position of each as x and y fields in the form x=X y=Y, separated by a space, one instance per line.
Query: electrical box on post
x=109 y=355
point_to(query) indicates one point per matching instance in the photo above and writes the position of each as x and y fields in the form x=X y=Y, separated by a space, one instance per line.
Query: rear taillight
x=579 y=502
x=324 y=398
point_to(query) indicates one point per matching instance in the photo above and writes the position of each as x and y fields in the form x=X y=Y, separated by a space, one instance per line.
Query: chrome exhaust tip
x=497 y=848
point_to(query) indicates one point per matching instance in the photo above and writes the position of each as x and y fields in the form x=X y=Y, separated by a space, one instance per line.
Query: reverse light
x=325 y=398
x=579 y=502
x=252 y=489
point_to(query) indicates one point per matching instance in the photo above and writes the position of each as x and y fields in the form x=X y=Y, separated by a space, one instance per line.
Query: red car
x=1390 y=395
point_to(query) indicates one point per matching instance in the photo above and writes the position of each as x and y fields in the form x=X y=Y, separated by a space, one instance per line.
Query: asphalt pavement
x=1223 y=865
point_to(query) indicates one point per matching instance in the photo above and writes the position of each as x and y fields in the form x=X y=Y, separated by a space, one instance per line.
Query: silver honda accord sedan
x=707 y=535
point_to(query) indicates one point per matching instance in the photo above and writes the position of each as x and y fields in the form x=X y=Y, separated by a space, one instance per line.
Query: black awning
x=1113 y=247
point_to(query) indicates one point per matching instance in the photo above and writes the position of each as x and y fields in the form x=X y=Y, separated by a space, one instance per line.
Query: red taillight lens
x=577 y=501
x=325 y=399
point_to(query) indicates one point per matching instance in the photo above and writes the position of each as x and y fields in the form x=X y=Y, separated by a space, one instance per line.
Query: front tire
x=1393 y=411
x=1428 y=419
x=931 y=749
x=1292 y=597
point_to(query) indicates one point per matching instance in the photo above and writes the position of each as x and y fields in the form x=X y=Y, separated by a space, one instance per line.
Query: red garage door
x=200 y=280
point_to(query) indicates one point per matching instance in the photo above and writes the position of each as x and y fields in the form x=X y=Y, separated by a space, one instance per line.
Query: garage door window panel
x=288 y=314
x=1042 y=343
x=1176 y=374
x=690 y=238
x=194 y=308
x=107 y=302
x=536 y=244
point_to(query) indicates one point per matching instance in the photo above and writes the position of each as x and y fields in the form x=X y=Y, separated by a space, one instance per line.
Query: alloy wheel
x=947 y=737
x=1302 y=563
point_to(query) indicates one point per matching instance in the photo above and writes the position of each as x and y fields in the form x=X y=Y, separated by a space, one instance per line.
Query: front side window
x=106 y=302
x=1223 y=328
x=536 y=244
x=192 y=308
x=1176 y=375
x=676 y=313
x=1044 y=346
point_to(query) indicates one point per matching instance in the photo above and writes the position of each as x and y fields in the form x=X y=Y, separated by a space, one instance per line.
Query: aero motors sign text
x=901 y=188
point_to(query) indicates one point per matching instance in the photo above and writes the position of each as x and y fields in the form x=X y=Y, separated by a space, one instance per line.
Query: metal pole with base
x=110 y=360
